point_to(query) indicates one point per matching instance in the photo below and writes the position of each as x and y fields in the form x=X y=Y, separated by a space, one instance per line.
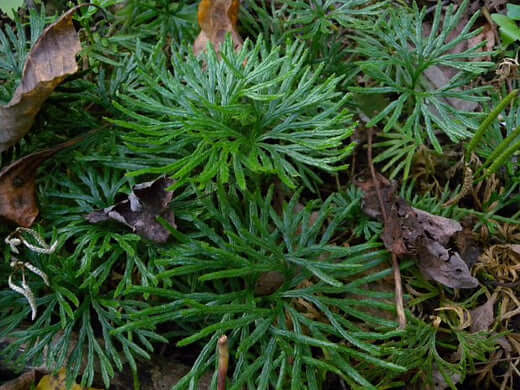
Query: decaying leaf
x=483 y=316
x=18 y=187
x=58 y=382
x=139 y=212
x=268 y=283
x=443 y=265
x=469 y=248
x=50 y=61
x=23 y=382
x=216 y=19
x=413 y=232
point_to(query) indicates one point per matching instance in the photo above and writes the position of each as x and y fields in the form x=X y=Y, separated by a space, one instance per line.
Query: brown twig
x=223 y=362
x=399 y=302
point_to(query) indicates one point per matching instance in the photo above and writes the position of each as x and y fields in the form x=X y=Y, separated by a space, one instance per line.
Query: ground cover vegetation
x=255 y=194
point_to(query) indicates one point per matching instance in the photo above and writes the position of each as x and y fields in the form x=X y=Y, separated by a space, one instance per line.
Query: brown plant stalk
x=399 y=301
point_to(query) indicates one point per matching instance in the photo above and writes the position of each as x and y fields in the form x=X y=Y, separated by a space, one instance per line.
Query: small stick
x=399 y=301
x=223 y=362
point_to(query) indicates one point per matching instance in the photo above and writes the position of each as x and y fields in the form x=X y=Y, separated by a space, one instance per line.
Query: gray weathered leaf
x=413 y=232
x=483 y=316
x=140 y=211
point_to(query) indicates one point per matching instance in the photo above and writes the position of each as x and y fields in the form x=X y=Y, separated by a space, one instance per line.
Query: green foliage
x=83 y=304
x=14 y=48
x=10 y=7
x=209 y=283
x=496 y=145
x=255 y=112
x=175 y=20
x=358 y=221
x=225 y=126
x=427 y=341
x=397 y=56
x=324 y=25
x=509 y=30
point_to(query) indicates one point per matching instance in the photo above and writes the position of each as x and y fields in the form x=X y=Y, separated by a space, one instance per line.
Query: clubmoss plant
x=283 y=337
x=271 y=246
x=397 y=56
x=83 y=304
x=14 y=48
x=256 y=112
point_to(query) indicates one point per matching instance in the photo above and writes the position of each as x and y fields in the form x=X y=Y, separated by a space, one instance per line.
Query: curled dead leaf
x=139 y=212
x=216 y=19
x=23 y=382
x=413 y=232
x=49 y=62
x=18 y=187
x=443 y=265
x=483 y=316
x=58 y=382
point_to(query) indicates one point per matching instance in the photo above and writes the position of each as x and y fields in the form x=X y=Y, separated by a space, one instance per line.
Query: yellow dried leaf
x=216 y=19
x=58 y=382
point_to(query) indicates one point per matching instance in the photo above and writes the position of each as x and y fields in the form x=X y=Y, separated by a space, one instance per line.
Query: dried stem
x=223 y=362
x=399 y=302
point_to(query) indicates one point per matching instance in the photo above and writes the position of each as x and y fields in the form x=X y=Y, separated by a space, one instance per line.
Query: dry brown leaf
x=268 y=283
x=18 y=187
x=515 y=248
x=58 y=382
x=139 y=212
x=496 y=5
x=444 y=266
x=216 y=19
x=413 y=232
x=52 y=58
x=469 y=248
x=23 y=382
x=483 y=316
